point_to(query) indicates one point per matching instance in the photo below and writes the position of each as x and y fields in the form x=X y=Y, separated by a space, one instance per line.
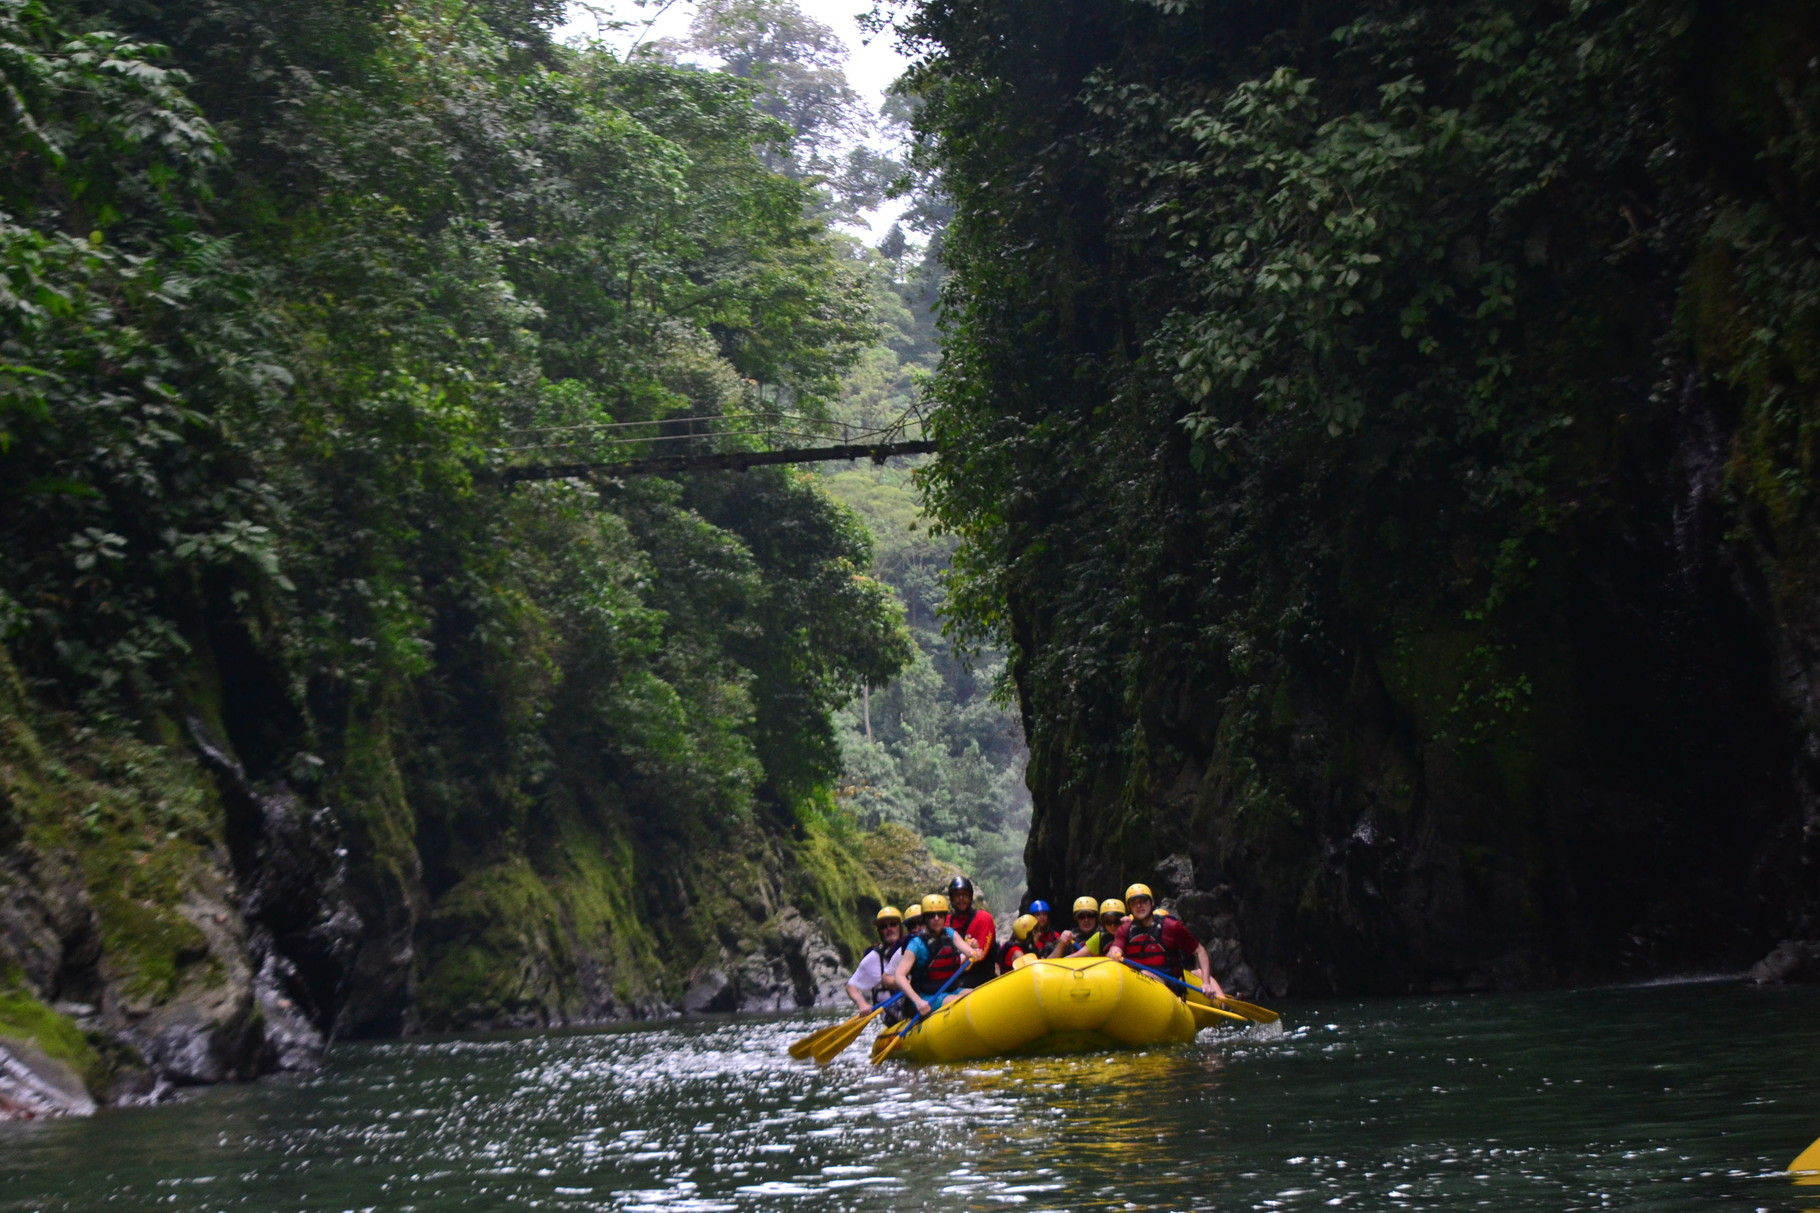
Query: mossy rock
x=24 y=1017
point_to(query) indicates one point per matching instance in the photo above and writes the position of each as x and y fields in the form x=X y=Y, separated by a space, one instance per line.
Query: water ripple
x=1599 y=1100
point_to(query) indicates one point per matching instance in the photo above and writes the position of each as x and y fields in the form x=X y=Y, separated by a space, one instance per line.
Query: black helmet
x=960 y=884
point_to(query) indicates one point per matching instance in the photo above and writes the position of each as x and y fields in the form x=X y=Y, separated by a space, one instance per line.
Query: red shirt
x=981 y=929
x=1176 y=937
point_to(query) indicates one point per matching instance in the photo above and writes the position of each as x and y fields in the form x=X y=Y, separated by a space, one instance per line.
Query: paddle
x=808 y=1044
x=835 y=1043
x=1251 y=1011
x=1238 y=1010
x=879 y=1055
x=1212 y=1017
x=1809 y=1159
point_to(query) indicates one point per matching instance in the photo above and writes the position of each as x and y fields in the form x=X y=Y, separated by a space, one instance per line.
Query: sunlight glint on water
x=1664 y=1098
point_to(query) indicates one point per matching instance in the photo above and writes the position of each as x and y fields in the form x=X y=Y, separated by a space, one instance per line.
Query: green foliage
x=1285 y=341
x=283 y=287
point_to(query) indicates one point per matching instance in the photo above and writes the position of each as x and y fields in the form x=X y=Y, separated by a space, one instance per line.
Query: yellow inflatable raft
x=1077 y=1005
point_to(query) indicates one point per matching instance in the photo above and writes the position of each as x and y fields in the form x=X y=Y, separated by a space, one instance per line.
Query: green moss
x=370 y=792
x=836 y=887
x=495 y=946
x=24 y=1017
x=144 y=826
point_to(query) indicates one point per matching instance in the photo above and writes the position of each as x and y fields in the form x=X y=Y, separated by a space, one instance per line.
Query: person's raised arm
x=969 y=949
x=1117 y=950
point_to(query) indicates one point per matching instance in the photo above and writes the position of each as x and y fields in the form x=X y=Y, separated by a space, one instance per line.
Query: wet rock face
x=34 y=1084
x=291 y=862
x=1793 y=960
x=1644 y=811
x=803 y=969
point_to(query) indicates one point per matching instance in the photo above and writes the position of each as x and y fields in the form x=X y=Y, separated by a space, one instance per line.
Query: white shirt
x=869 y=973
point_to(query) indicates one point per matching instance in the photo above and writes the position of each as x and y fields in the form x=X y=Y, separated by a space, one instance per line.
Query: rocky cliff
x=1384 y=434
x=166 y=920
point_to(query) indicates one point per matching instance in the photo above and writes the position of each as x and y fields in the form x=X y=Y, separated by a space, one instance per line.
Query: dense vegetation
x=284 y=288
x=1381 y=433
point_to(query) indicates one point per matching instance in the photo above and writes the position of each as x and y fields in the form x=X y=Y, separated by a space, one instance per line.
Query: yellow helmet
x=1086 y=905
x=1020 y=930
x=887 y=914
x=913 y=910
x=1111 y=905
x=1139 y=890
x=935 y=903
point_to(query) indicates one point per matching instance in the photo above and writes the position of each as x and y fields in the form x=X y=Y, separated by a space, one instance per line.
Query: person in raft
x=868 y=987
x=1086 y=925
x=976 y=925
x=1043 y=938
x=1023 y=943
x=930 y=959
x=1161 y=942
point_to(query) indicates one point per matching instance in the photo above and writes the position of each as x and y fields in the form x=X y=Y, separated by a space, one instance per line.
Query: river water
x=1653 y=1098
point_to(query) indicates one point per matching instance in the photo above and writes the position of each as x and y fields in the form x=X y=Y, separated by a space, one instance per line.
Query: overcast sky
x=871 y=67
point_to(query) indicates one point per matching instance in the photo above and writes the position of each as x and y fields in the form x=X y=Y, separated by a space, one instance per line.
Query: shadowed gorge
x=1380 y=433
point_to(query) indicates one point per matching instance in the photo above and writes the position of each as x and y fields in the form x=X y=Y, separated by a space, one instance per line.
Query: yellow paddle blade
x=1255 y=1014
x=885 y=1041
x=836 y=1042
x=1809 y=1159
x=802 y=1048
x=1213 y=1017
x=1233 y=1006
x=890 y=1042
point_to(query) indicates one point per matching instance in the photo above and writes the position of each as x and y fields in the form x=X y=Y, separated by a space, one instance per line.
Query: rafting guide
x=1161 y=942
x=976 y=925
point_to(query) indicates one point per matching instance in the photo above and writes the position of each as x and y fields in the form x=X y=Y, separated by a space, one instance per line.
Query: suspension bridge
x=705 y=442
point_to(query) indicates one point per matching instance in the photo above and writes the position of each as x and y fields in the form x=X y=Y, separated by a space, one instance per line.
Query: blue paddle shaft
x=919 y=1018
x=1162 y=976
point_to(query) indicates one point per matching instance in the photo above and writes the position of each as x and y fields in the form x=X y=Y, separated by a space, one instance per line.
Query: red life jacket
x=1144 y=945
x=1043 y=942
x=945 y=960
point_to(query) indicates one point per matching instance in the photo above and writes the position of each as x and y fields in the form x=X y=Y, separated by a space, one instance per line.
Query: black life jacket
x=887 y=953
x=944 y=962
x=1144 y=946
x=1043 y=942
